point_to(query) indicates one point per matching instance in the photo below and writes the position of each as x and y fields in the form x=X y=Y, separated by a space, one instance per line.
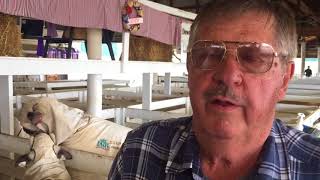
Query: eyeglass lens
x=252 y=57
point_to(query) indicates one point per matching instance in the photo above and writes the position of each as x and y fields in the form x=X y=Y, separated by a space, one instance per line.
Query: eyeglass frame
x=275 y=54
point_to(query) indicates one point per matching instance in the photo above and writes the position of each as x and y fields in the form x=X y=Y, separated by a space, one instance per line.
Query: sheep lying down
x=56 y=125
x=45 y=160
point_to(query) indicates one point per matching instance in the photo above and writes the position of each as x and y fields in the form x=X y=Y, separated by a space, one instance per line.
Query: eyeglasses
x=253 y=57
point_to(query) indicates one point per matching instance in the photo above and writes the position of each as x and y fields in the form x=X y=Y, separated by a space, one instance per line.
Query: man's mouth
x=222 y=102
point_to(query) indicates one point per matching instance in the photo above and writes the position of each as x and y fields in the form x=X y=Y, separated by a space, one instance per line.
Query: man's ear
x=287 y=76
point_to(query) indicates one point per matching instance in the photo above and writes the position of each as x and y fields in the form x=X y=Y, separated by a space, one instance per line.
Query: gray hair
x=285 y=24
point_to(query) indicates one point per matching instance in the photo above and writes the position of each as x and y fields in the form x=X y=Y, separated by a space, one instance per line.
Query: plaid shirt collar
x=184 y=154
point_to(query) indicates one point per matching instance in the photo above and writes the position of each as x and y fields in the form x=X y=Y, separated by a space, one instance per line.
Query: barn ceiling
x=307 y=15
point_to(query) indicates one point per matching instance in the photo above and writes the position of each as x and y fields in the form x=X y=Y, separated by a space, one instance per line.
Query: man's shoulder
x=303 y=148
x=146 y=151
x=160 y=131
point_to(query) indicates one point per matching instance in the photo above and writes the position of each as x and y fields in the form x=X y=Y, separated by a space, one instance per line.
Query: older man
x=239 y=65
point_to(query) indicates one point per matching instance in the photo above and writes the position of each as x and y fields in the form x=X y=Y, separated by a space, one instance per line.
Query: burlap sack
x=46 y=165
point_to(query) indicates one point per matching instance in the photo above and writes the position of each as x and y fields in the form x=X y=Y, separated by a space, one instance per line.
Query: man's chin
x=222 y=129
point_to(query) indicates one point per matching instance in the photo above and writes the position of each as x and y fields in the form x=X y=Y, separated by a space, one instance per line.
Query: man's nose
x=229 y=71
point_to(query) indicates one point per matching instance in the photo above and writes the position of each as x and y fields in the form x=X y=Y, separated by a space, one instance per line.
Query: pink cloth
x=95 y=14
x=52 y=30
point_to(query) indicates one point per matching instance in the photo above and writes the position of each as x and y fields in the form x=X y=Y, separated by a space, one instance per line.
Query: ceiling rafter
x=304 y=9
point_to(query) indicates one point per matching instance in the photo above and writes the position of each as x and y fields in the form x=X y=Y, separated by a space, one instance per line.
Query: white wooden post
x=303 y=57
x=147 y=91
x=6 y=105
x=318 y=60
x=6 y=112
x=18 y=102
x=167 y=84
x=125 y=51
x=80 y=96
x=94 y=84
x=95 y=94
x=188 y=106
x=120 y=116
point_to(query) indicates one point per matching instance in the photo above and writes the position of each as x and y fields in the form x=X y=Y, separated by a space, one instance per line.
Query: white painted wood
x=169 y=10
x=94 y=38
x=312 y=80
x=310 y=119
x=125 y=51
x=168 y=103
x=57 y=95
x=162 y=104
x=176 y=69
x=301 y=100
x=65 y=83
x=303 y=92
x=188 y=109
x=6 y=105
x=122 y=94
x=127 y=94
x=167 y=84
x=175 y=79
x=36 y=66
x=178 y=90
x=80 y=96
x=81 y=160
x=147 y=91
x=304 y=86
x=108 y=113
x=94 y=94
x=6 y=113
x=18 y=102
x=120 y=117
x=293 y=108
x=303 y=57
x=150 y=115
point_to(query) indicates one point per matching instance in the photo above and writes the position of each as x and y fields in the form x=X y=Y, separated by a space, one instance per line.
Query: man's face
x=228 y=102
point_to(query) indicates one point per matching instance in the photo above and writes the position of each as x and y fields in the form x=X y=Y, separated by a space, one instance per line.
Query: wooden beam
x=150 y=115
x=169 y=10
x=163 y=104
x=304 y=9
x=308 y=31
x=36 y=66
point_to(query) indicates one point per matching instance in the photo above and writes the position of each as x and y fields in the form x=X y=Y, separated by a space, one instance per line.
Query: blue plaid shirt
x=168 y=150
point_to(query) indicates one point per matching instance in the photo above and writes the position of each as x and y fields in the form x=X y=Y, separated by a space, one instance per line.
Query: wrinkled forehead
x=250 y=26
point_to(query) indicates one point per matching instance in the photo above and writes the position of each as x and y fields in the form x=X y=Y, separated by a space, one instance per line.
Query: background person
x=308 y=72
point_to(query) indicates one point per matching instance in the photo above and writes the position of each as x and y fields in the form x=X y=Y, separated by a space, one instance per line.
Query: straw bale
x=10 y=36
x=52 y=77
x=77 y=33
x=144 y=49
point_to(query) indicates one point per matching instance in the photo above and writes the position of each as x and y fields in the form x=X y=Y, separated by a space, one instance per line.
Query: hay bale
x=10 y=36
x=144 y=49
x=77 y=33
